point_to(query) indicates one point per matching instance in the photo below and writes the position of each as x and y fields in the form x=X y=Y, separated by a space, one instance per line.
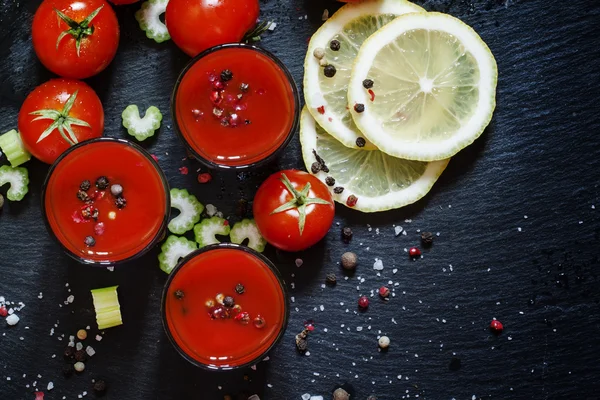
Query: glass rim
x=237 y=247
x=159 y=234
x=286 y=73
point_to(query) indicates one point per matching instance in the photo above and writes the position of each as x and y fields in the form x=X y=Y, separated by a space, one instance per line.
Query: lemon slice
x=351 y=25
x=379 y=182
x=434 y=85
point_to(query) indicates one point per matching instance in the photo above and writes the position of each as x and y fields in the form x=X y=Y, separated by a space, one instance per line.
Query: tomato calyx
x=61 y=121
x=78 y=30
x=253 y=35
x=299 y=201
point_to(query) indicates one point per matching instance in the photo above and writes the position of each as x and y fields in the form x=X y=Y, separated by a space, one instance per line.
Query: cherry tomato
x=278 y=206
x=222 y=21
x=58 y=114
x=75 y=38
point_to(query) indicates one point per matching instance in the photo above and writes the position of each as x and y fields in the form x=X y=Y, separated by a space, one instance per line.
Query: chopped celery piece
x=246 y=229
x=108 y=309
x=141 y=128
x=149 y=19
x=174 y=249
x=207 y=230
x=189 y=208
x=18 y=179
x=12 y=146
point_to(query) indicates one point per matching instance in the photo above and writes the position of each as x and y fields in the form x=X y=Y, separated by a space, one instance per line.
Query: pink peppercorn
x=384 y=292
x=3 y=311
x=496 y=326
x=414 y=252
x=351 y=201
x=363 y=302
x=204 y=177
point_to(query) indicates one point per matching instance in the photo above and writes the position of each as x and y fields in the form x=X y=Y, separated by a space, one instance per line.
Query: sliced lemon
x=351 y=25
x=434 y=85
x=380 y=182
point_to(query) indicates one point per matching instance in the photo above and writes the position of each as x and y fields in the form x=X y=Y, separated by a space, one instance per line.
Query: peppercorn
x=85 y=185
x=340 y=394
x=209 y=303
x=346 y=234
x=179 y=294
x=360 y=141
x=259 y=322
x=384 y=342
x=120 y=202
x=226 y=75
x=80 y=355
x=368 y=83
x=363 y=302
x=359 y=107
x=330 y=181
x=243 y=317
x=414 y=252
x=338 y=190
x=228 y=302
x=220 y=298
x=349 y=261
x=329 y=71
x=100 y=386
x=496 y=326
x=334 y=45
x=79 y=366
x=67 y=370
x=330 y=279
x=95 y=214
x=319 y=53
x=81 y=334
x=315 y=168
x=83 y=196
x=239 y=288
x=116 y=190
x=427 y=238
x=89 y=241
x=204 y=177
x=351 y=201
x=302 y=341
x=244 y=87
x=69 y=353
x=102 y=183
x=384 y=292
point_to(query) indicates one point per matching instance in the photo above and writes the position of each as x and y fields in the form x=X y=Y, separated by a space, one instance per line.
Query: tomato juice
x=120 y=227
x=235 y=105
x=199 y=331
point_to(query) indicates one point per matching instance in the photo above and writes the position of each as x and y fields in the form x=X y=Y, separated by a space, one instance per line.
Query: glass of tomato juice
x=106 y=201
x=235 y=106
x=224 y=307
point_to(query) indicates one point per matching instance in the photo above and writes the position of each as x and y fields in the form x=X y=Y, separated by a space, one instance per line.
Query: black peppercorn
x=95 y=214
x=69 y=353
x=359 y=107
x=102 y=183
x=68 y=370
x=120 y=202
x=302 y=341
x=330 y=181
x=247 y=122
x=244 y=87
x=330 y=279
x=226 y=75
x=80 y=355
x=334 y=45
x=82 y=195
x=338 y=190
x=329 y=71
x=85 y=185
x=89 y=241
x=239 y=288
x=346 y=234
x=360 y=141
x=427 y=238
x=315 y=168
x=228 y=301
x=368 y=83
x=179 y=294
x=100 y=386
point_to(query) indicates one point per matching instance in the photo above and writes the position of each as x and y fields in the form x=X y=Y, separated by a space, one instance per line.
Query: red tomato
x=283 y=229
x=58 y=114
x=221 y=21
x=75 y=38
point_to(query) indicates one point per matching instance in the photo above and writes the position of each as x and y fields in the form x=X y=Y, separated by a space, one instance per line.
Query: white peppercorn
x=79 y=366
x=384 y=342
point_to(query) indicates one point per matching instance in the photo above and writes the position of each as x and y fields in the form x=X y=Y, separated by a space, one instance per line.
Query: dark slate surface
x=539 y=158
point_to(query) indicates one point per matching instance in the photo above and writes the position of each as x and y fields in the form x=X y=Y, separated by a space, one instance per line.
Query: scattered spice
x=359 y=107
x=414 y=252
x=335 y=45
x=69 y=353
x=363 y=302
x=346 y=234
x=321 y=110
x=67 y=370
x=102 y=183
x=384 y=292
x=120 y=202
x=338 y=190
x=3 y=311
x=259 y=322
x=244 y=87
x=329 y=71
x=82 y=195
x=384 y=342
x=330 y=279
x=100 y=386
x=427 y=238
x=116 y=190
x=352 y=200
x=496 y=327
x=372 y=94
x=226 y=75
x=228 y=302
x=368 y=83
x=179 y=294
x=79 y=366
x=85 y=185
x=361 y=142
x=81 y=334
x=209 y=303
x=80 y=356
x=239 y=288
x=349 y=261
x=243 y=317
x=89 y=241
x=183 y=170
x=340 y=394
x=323 y=62
x=302 y=341
x=220 y=298
x=315 y=168
x=204 y=177
x=319 y=53
x=330 y=181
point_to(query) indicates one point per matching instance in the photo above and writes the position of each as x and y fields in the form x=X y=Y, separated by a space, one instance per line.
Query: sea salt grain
x=378 y=265
x=12 y=319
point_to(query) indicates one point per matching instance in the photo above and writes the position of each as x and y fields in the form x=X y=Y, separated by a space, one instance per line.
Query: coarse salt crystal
x=98 y=338
x=321 y=307
x=50 y=385
x=90 y=351
x=12 y=319
x=305 y=396
x=398 y=230
x=78 y=346
x=378 y=265
x=70 y=299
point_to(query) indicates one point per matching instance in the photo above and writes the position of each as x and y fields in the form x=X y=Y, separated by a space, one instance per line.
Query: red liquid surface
x=222 y=343
x=134 y=227
x=268 y=105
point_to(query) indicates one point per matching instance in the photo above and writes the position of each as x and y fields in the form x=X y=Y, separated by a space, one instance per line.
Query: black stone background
x=539 y=157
